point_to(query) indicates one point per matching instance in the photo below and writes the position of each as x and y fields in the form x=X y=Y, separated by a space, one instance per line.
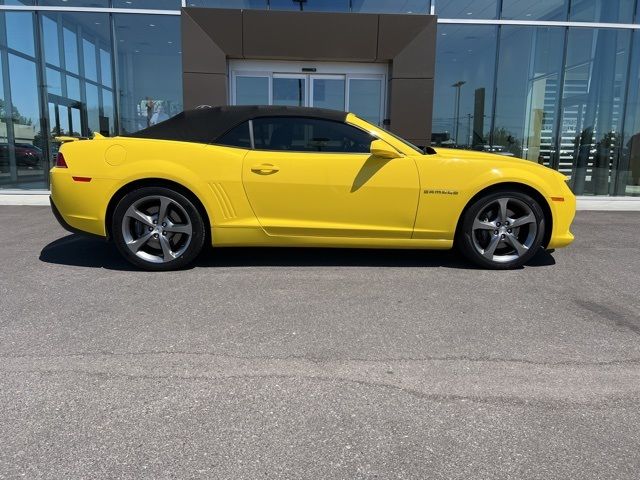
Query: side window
x=299 y=134
x=236 y=137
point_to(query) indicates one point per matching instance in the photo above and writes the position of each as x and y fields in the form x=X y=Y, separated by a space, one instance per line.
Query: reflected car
x=293 y=176
x=497 y=149
x=27 y=156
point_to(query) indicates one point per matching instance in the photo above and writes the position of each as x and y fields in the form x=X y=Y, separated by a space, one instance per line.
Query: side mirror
x=382 y=149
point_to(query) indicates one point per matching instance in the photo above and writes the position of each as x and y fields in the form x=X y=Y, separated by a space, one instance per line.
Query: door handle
x=264 y=169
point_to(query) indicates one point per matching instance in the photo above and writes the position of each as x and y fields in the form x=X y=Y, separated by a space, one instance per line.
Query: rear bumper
x=80 y=206
x=64 y=224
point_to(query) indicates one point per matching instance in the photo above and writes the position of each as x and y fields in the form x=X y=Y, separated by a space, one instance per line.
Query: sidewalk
x=612 y=204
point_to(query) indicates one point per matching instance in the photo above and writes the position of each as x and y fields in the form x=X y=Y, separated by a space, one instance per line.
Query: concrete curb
x=610 y=204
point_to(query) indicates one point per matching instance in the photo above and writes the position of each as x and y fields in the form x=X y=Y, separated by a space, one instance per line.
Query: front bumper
x=563 y=215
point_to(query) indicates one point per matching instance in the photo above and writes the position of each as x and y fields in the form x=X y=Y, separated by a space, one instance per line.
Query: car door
x=315 y=177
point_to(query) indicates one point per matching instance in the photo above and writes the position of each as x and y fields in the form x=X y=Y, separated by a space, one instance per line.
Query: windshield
x=407 y=143
x=377 y=131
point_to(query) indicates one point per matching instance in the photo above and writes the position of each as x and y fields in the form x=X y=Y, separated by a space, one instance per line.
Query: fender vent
x=224 y=202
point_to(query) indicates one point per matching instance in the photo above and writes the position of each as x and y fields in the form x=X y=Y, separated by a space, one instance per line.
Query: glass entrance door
x=354 y=88
x=328 y=91
x=289 y=89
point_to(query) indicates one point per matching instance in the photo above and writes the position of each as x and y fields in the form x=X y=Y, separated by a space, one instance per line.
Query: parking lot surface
x=285 y=363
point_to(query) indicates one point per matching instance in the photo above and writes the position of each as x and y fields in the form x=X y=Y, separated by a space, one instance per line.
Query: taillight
x=60 y=162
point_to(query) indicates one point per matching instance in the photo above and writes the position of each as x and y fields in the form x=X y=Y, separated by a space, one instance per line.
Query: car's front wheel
x=157 y=228
x=502 y=230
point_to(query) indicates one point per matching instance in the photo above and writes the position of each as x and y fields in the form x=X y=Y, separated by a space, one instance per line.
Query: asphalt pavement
x=318 y=363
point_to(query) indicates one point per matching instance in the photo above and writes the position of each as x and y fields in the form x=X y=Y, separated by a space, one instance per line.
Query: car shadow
x=83 y=251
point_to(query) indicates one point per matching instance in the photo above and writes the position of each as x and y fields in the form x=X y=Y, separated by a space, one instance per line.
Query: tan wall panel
x=301 y=36
x=204 y=89
x=211 y=36
x=199 y=52
x=410 y=109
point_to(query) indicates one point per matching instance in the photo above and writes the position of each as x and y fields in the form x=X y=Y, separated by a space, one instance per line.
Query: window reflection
x=385 y=6
x=19 y=26
x=70 y=40
x=82 y=69
x=618 y=11
x=466 y=8
x=148 y=4
x=26 y=162
x=74 y=3
x=528 y=85
x=550 y=10
x=22 y=160
x=465 y=64
x=259 y=4
x=311 y=5
x=50 y=41
x=149 y=69
x=628 y=181
x=592 y=107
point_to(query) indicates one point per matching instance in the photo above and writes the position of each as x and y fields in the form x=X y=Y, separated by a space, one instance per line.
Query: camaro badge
x=441 y=192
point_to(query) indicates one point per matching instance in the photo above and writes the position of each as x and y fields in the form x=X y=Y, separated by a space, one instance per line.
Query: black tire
x=475 y=240
x=127 y=230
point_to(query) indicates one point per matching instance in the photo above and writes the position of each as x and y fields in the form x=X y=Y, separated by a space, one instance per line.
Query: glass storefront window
x=464 y=85
x=384 y=6
x=75 y=107
x=105 y=67
x=89 y=54
x=618 y=11
x=70 y=39
x=527 y=100
x=74 y=3
x=628 y=172
x=251 y=90
x=23 y=163
x=149 y=69
x=310 y=5
x=54 y=81
x=595 y=80
x=50 y=41
x=148 y=4
x=466 y=8
x=550 y=10
x=258 y=4
x=73 y=88
x=19 y=27
x=27 y=168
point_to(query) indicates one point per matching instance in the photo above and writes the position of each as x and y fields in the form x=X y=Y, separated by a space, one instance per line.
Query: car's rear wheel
x=502 y=230
x=157 y=228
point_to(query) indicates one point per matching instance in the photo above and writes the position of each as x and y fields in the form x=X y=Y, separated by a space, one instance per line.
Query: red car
x=27 y=156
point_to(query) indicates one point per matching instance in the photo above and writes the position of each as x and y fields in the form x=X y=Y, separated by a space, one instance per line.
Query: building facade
x=551 y=81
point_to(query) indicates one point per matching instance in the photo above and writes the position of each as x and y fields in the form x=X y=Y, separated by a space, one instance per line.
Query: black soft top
x=207 y=124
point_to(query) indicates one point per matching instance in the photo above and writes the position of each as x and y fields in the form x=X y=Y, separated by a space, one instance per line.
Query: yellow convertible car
x=292 y=176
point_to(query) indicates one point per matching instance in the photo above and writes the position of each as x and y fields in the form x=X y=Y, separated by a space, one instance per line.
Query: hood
x=495 y=159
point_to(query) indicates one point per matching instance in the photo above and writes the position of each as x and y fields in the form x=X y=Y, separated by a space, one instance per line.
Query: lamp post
x=458 y=85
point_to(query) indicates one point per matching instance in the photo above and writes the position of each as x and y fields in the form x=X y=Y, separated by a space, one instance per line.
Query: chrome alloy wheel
x=157 y=229
x=504 y=230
